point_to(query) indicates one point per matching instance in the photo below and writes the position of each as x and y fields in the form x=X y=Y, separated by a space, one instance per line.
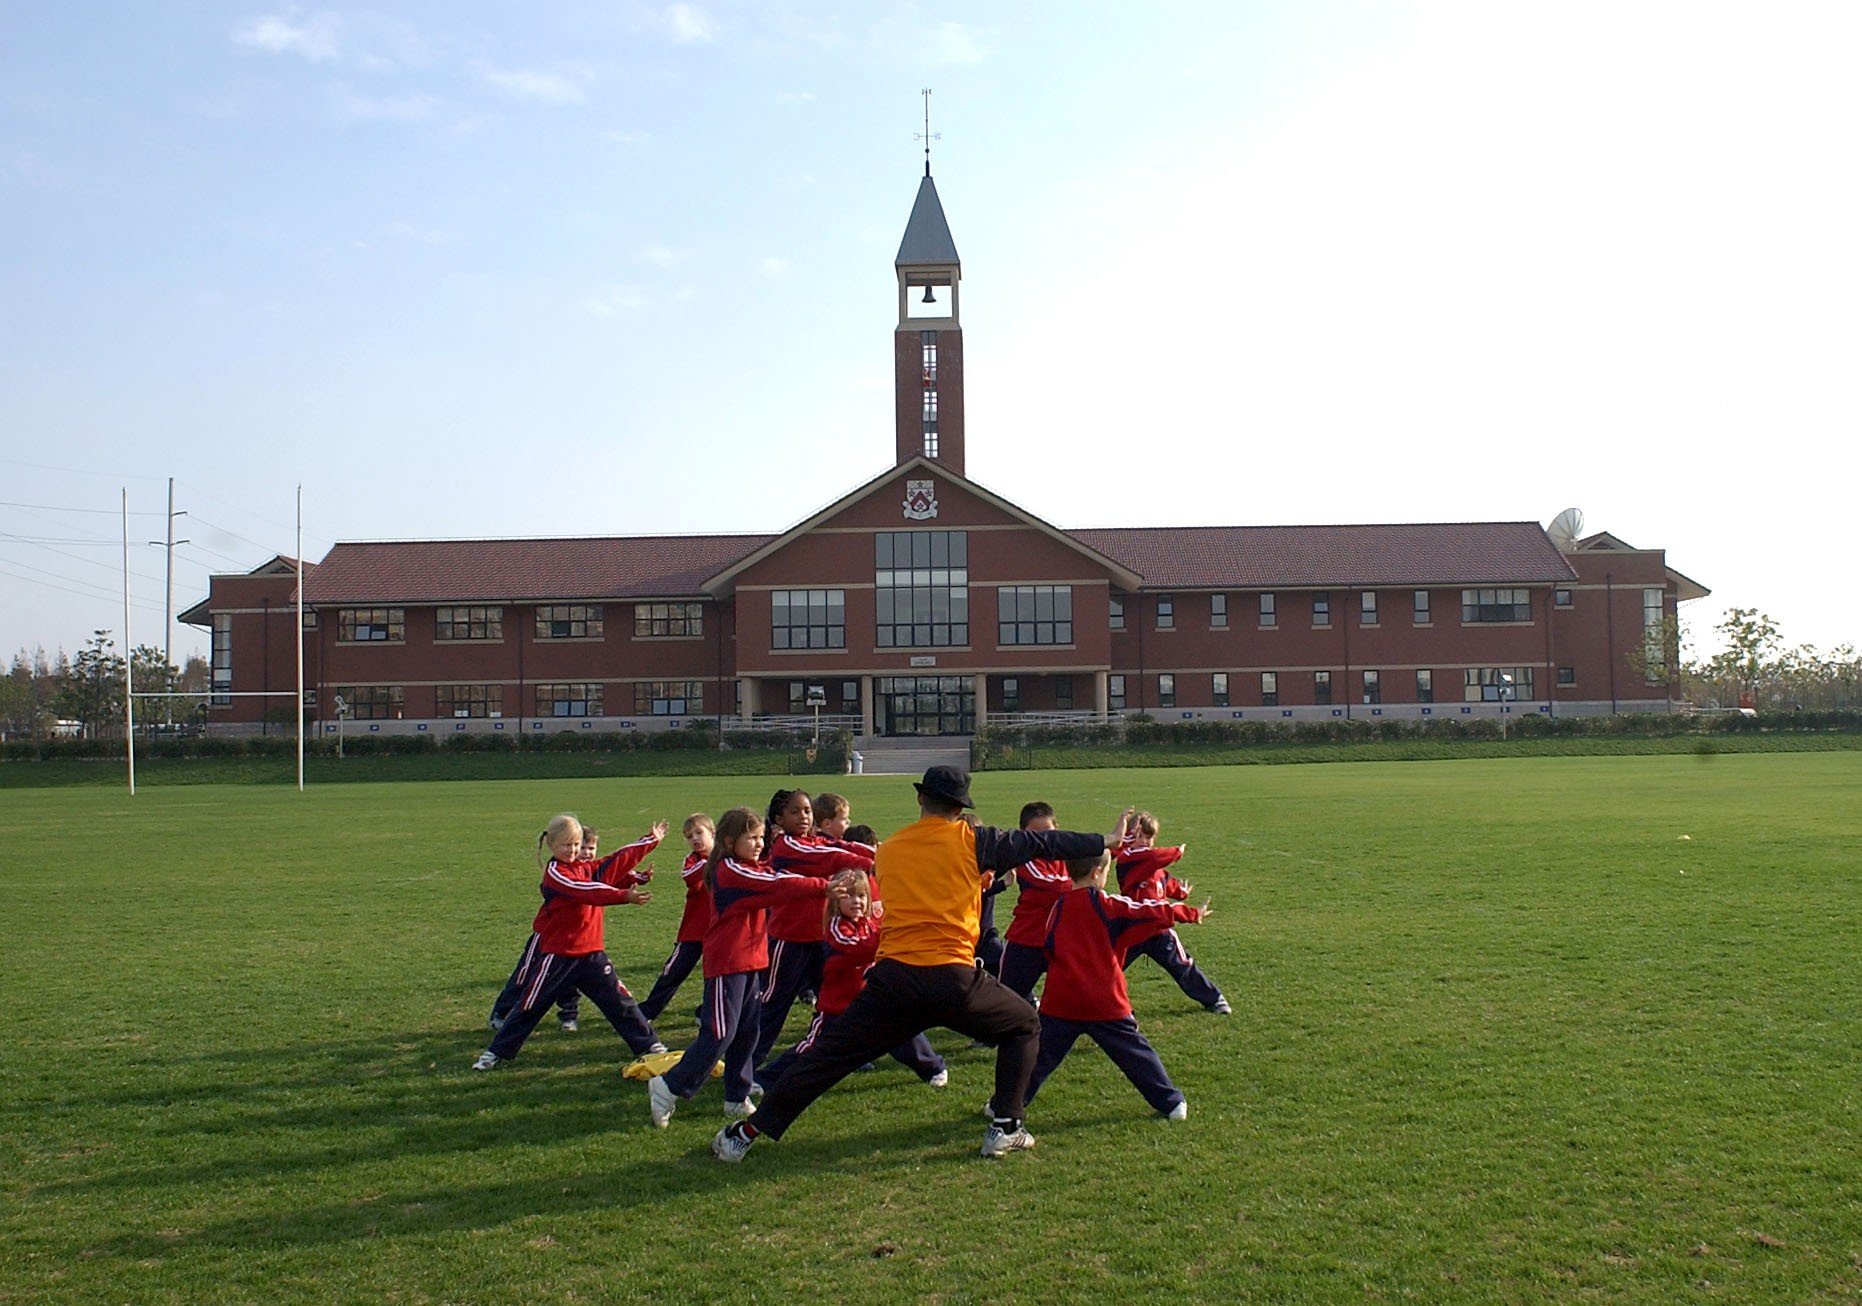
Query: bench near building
x=922 y=603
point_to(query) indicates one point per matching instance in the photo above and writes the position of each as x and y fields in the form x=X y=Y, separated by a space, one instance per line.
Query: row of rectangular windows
x=915 y=608
x=1479 y=684
x=678 y=698
x=651 y=698
x=552 y=621
x=1478 y=606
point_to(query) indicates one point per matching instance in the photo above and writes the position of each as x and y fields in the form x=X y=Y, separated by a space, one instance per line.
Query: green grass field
x=1513 y=1029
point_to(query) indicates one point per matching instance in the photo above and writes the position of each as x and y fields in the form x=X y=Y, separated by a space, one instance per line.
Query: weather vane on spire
x=927 y=135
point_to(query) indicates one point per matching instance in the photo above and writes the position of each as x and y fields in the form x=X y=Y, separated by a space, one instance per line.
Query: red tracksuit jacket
x=800 y=922
x=1141 y=873
x=697 y=917
x=1088 y=933
x=852 y=945
x=569 y=923
x=1039 y=885
x=738 y=939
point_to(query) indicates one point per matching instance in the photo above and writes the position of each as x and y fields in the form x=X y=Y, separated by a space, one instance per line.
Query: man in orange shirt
x=931 y=877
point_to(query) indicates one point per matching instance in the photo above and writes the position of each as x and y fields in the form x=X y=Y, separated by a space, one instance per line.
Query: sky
x=470 y=269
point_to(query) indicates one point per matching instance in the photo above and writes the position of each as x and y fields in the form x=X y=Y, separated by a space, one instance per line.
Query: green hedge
x=999 y=746
x=830 y=755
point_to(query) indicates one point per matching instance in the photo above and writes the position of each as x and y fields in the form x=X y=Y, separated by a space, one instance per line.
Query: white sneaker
x=1181 y=1111
x=1220 y=1007
x=568 y=1026
x=727 y=1147
x=494 y=1023
x=487 y=1060
x=661 y=1101
x=998 y=1142
x=654 y=1049
x=756 y=1089
x=740 y=1110
x=940 y=1079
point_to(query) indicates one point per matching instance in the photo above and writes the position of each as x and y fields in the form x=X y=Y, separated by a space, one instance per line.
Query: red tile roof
x=1263 y=557
x=441 y=571
x=1168 y=557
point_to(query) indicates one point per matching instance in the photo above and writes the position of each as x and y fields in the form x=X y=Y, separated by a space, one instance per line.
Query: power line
x=57 y=507
x=89 y=562
x=78 y=471
x=91 y=592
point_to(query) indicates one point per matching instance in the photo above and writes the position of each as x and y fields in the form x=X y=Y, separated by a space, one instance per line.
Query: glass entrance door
x=925 y=705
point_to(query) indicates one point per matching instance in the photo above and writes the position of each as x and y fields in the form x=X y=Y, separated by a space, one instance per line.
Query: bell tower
x=927 y=347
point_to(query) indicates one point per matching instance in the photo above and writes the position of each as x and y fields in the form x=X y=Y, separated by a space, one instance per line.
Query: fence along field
x=1515 y=1028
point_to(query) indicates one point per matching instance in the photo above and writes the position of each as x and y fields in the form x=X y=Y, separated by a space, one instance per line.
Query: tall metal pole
x=299 y=559
x=168 y=601
x=129 y=684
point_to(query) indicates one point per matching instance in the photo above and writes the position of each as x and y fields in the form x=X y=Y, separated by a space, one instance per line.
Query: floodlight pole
x=1506 y=686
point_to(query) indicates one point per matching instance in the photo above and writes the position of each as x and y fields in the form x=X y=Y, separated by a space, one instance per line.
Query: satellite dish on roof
x=1565 y=529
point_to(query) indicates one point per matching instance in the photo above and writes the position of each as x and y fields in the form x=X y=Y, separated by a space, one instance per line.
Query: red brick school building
x=922 y=603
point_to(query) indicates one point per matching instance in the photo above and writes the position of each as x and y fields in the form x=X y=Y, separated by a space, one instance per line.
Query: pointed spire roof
x=927 y=240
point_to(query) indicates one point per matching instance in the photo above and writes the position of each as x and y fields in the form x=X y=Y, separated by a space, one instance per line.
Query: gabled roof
x=721 y=583
x=1265 y=557
x=279 y=564
x=447 y=571
x=1686 y=588
x=927 y=240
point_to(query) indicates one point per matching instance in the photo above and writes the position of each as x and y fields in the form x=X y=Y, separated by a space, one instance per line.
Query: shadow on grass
x=311 y=1108
x=917 y=1152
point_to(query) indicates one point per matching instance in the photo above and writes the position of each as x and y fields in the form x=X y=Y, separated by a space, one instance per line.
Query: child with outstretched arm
x=569 y=950
x=1143 y=873
x=1088 y=934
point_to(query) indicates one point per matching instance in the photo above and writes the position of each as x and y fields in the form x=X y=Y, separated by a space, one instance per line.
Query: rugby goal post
x=129 y=687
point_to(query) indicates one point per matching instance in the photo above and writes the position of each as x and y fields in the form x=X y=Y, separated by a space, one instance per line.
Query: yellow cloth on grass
x=658 y=1063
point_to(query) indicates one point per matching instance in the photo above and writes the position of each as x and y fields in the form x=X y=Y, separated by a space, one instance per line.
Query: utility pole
x=168 y=602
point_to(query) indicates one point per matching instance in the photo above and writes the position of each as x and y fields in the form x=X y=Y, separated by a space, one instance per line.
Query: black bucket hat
x=947 y=783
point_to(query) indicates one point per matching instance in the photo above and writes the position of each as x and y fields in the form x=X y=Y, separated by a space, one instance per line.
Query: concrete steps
x=911 y=755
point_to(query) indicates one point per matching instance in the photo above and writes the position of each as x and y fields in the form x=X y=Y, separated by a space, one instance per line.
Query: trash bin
x=859 y=763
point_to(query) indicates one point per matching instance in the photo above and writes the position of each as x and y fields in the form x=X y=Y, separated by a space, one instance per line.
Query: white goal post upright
x=129 y=687
x=298 y=559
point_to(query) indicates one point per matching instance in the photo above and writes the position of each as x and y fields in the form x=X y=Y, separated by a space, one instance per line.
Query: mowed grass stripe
x=1501 y=1033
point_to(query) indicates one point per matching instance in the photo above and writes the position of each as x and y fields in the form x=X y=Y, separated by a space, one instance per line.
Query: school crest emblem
x=920 y=501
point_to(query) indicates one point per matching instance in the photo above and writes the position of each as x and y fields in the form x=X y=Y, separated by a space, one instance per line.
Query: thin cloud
x=953 y=43
x=797 y=97
x=614 y=302
x=535 y=84
x=317 y=39
x=773 y=268
x=413 y=107
x=689 y=23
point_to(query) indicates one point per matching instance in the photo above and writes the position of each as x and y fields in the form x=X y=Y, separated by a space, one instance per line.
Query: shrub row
x=996 y=744
x=833 y=751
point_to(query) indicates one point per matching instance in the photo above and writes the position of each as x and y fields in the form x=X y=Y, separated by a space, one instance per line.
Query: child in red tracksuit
x=689 y=943
x=1142 y=875
x=736 y=951
x=568 y=952
x=1088 y=933
x=852 y=937
x=796 y=931
x=1039 y=885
